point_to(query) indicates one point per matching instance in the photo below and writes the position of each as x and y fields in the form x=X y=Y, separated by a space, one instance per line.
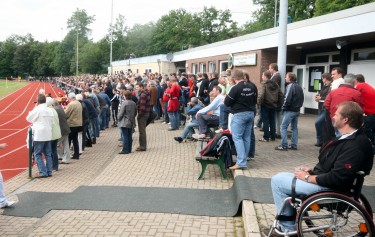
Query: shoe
x=64 y=162
x=59 y=158
x=172 y=129
x=120 y=145
x=199 y=136
x=115 y=125
x=178 y=139
x=250 y=158
x=41 y=177
x=7 y=204
x=219 y=130
x=263 y=140
x=140 y=149
x=119 y=139
x=292 y=148
x=123 y=152
x=237 y=167
x=93 y=141
x=169 y=123
x=273 y=139
x=318 y=144
x=75 y=158
x=164 y=122
x=281 y=148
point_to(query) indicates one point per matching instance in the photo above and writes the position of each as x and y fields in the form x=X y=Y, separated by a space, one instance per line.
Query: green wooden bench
x=207 y=160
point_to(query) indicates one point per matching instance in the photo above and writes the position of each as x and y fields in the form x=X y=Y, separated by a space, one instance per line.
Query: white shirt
x=42 y=119
x=336 y=83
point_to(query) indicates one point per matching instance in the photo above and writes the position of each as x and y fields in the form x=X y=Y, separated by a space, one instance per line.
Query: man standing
x=74 y=118
x=368 y=95
x=42 y=119
x=241 y=98
x=338 y=164
x=209 y=114
x=144 y=109
x=173 y=103
x=276 y=77
x=337 y=74
x=270 y=99
x=293 y=102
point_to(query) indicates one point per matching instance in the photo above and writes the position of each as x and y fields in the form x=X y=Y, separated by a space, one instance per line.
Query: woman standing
x=126 y=121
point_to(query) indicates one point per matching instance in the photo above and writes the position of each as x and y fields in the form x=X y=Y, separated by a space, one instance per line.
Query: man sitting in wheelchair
x=339 y=161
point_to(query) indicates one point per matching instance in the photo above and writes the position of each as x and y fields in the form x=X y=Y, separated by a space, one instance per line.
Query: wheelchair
x=329 y=213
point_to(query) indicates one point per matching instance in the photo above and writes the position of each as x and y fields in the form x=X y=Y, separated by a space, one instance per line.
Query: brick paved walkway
x=166 y=163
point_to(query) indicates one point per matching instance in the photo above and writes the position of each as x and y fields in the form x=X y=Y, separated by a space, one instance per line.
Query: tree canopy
x=175 y=31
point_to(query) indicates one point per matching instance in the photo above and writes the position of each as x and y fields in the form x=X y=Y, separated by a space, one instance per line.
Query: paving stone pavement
x=166 y=163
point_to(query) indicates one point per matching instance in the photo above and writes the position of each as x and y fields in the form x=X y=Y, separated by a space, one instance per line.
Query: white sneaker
x=219 y=130
x=7 y=204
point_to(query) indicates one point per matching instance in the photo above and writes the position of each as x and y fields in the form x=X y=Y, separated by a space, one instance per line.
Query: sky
x=47 y=19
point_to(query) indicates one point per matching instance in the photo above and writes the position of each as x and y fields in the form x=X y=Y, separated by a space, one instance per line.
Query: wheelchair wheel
x=333 y=214
x=364 y=202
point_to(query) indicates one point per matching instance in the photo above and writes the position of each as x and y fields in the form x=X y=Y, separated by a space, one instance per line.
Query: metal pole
x=281 y=54
x=274 y=25
x=77 y=50
x=111 y=40
x=30 y=142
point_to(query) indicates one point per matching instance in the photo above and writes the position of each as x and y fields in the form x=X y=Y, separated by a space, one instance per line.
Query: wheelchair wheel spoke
x=333 y=215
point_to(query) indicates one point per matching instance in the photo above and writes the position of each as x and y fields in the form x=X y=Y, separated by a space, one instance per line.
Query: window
x=364 y=55
x=335 y=58
x=148 y=70
x=211 y=67
x=194 y=68
x=223 y=66
x=202 y=67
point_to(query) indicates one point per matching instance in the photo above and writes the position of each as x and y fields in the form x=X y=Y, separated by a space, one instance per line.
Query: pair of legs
x=63 y=149
x=73 y=137
x=142 y=121
x=319 y=124
x=241 y=134
x=291 y=118
x=281 y=185
x=269 y=124
x=369 y=123
x=224 y=114
x=127 y=140
x=174 y=118
x=43 y=147
x=207 y=119
x=189 y=129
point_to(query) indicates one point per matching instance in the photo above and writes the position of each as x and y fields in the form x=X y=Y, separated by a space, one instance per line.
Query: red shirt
x=173 y=103
x=368 y=95
x=341 y=94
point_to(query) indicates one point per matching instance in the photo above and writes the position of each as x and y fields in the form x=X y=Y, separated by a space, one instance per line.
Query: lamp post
x=77 y=48
x=111 y=40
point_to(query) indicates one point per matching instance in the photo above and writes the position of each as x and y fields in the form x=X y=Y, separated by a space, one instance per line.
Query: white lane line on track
x=9 y=129
x=19 y=130
x=21 y=112
x=13 y=151
x=14 y=169
x=14 y=101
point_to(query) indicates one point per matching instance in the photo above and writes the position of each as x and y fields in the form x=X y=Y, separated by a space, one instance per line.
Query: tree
x=91 y=61
x=328 y=6
x=7 y=50
x=79 y=23
x=140 y=40
x=216 y=25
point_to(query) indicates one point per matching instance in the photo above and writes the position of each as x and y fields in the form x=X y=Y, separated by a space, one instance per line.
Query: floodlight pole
x=77 y=48
x=282 y=49
x=111 y=40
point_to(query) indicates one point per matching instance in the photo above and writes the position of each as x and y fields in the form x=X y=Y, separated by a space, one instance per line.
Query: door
x=300 y=71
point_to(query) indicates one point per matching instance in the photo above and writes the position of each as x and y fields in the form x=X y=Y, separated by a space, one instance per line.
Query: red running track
x=13 y=126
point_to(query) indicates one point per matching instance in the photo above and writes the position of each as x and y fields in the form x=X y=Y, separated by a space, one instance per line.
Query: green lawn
x=7 y=88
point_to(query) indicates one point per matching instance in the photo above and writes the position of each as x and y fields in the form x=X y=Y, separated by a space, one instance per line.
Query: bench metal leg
x=204 y=166
x=220 y=163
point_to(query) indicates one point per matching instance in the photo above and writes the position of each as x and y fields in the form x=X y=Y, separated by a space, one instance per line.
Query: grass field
x=7 y=88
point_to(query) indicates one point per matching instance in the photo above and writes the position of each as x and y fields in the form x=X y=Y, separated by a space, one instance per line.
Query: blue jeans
x=103 y=118
x=281 y=185
x=127 y=140
x=319 y=124
x=291 y=118
x=205 y=120
x=39 y=149
x=269 y=124
x=241 y=132
x=224 y=114
x=189 y=129
x=166 y=116
x=97 y=127
x=174 y=119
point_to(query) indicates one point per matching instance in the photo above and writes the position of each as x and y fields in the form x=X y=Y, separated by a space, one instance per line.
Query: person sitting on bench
x=210 y=114
x=192 y=108
x=339 y=161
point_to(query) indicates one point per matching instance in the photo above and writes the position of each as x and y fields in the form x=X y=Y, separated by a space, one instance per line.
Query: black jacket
x=340 y=160
x=294 y=98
